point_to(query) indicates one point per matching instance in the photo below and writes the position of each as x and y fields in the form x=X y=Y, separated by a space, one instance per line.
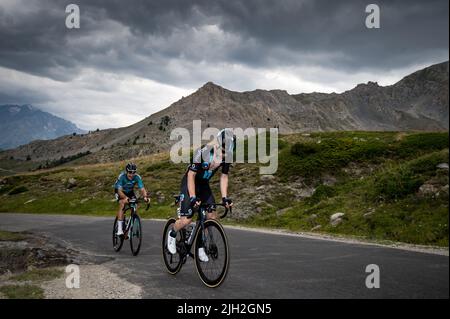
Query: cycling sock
x=173 y=233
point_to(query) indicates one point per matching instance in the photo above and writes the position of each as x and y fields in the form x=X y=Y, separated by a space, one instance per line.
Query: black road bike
x=133 y=228
x=208 y=234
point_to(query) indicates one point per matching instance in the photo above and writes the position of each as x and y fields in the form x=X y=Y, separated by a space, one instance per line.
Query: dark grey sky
x=132 y=58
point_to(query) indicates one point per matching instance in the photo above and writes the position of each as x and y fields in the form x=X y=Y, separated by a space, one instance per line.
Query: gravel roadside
x=96 y=282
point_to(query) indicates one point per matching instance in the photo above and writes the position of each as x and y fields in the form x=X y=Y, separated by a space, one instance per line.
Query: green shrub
x=304 y=149
x=418 y=143
x=22 y=291
x=64 y=160
x=5 y=189
x=428 y=163
x=308 y=159
x=397 y=184
x=322 y=192
x=282 y=144
x=18 y=190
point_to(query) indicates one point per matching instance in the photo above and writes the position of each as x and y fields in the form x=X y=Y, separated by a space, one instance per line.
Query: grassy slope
x=376 y=177
x=380 y=203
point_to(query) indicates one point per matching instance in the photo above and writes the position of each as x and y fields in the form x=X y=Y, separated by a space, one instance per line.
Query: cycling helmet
x=227 y=140
x=131 y=168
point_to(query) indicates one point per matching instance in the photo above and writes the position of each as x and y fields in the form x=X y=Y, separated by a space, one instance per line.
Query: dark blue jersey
x=205 y=166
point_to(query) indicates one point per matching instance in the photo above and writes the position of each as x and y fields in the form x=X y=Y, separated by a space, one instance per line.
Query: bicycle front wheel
x=214 y=241
x=135 y=235
x=172 y=262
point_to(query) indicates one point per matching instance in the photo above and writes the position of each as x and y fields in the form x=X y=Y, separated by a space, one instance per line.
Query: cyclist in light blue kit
x=124 y=191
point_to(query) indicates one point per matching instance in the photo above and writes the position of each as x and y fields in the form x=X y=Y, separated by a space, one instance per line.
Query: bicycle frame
x=200 y=222
x=132 y=209
x=132 y=206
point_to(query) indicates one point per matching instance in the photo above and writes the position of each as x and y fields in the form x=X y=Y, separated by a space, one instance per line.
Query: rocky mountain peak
x=367 y=86
x=211 y=88
x=437 y=73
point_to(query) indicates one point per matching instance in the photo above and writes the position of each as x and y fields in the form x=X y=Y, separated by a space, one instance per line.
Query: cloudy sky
x=130 y=59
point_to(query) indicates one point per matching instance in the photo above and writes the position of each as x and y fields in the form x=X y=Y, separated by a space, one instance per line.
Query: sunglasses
x=131 y=172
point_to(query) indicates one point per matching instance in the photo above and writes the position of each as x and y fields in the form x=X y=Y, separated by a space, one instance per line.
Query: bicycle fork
x=128 y=226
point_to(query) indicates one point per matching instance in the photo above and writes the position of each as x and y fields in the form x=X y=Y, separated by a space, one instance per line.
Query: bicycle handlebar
x=230 y=209
x=137 y=200
x=202 y=205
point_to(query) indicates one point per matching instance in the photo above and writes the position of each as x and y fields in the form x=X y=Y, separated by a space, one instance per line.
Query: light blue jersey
x=127 y=185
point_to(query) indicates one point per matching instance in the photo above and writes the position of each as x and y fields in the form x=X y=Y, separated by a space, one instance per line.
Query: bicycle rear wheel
x=117 y=240
x=215 y=243
x=135 y=235
x=172 y=262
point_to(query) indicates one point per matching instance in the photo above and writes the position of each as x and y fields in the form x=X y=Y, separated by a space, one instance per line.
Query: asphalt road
x=262 y=265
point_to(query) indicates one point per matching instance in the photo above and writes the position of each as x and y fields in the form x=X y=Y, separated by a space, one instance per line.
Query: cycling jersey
x=127 y=185
x=205 y=168
x=205 y=165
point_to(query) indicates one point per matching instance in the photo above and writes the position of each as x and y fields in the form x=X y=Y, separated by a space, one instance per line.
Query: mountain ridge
x=21 y=124
x=418 y=102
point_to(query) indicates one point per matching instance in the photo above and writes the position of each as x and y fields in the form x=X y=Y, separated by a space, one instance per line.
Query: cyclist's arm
x=141 y=187
x=191 y=182
x=144 y=192
x=224 y=184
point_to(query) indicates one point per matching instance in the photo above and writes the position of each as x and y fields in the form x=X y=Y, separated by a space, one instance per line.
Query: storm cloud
x=143 y=55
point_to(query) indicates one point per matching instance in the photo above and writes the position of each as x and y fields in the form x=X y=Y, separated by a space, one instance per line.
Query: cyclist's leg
x=132 y=195
x=120 y=213
x=207 y=197
x=122 y=203
x=186 y=211
x=185 y=219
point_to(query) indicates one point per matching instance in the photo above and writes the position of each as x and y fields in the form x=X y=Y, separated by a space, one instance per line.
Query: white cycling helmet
x=226 y=140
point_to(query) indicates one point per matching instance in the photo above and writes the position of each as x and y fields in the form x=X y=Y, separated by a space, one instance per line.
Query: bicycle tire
x=117 y=240
x=136 y=229
x=214 y=253
x=173 y=262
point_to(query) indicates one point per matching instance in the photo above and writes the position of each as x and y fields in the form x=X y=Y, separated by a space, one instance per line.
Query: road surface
x=262 y=265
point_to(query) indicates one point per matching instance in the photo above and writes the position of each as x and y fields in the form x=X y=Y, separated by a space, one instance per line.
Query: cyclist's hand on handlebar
x=194 y=202
x=228 y=202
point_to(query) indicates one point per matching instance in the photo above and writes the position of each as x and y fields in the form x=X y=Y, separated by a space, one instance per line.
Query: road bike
x=208 y=234
x=133 y=228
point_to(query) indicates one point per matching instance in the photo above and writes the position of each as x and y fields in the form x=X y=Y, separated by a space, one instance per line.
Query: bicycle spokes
x=173 y=262
x=213 y=271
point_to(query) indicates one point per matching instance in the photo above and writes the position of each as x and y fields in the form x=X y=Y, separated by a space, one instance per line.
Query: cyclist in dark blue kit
x=195 y=187
x=124 y=191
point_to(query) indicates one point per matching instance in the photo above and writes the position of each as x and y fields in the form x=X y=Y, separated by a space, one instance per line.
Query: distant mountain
x=21 y=124
x=417 y=102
